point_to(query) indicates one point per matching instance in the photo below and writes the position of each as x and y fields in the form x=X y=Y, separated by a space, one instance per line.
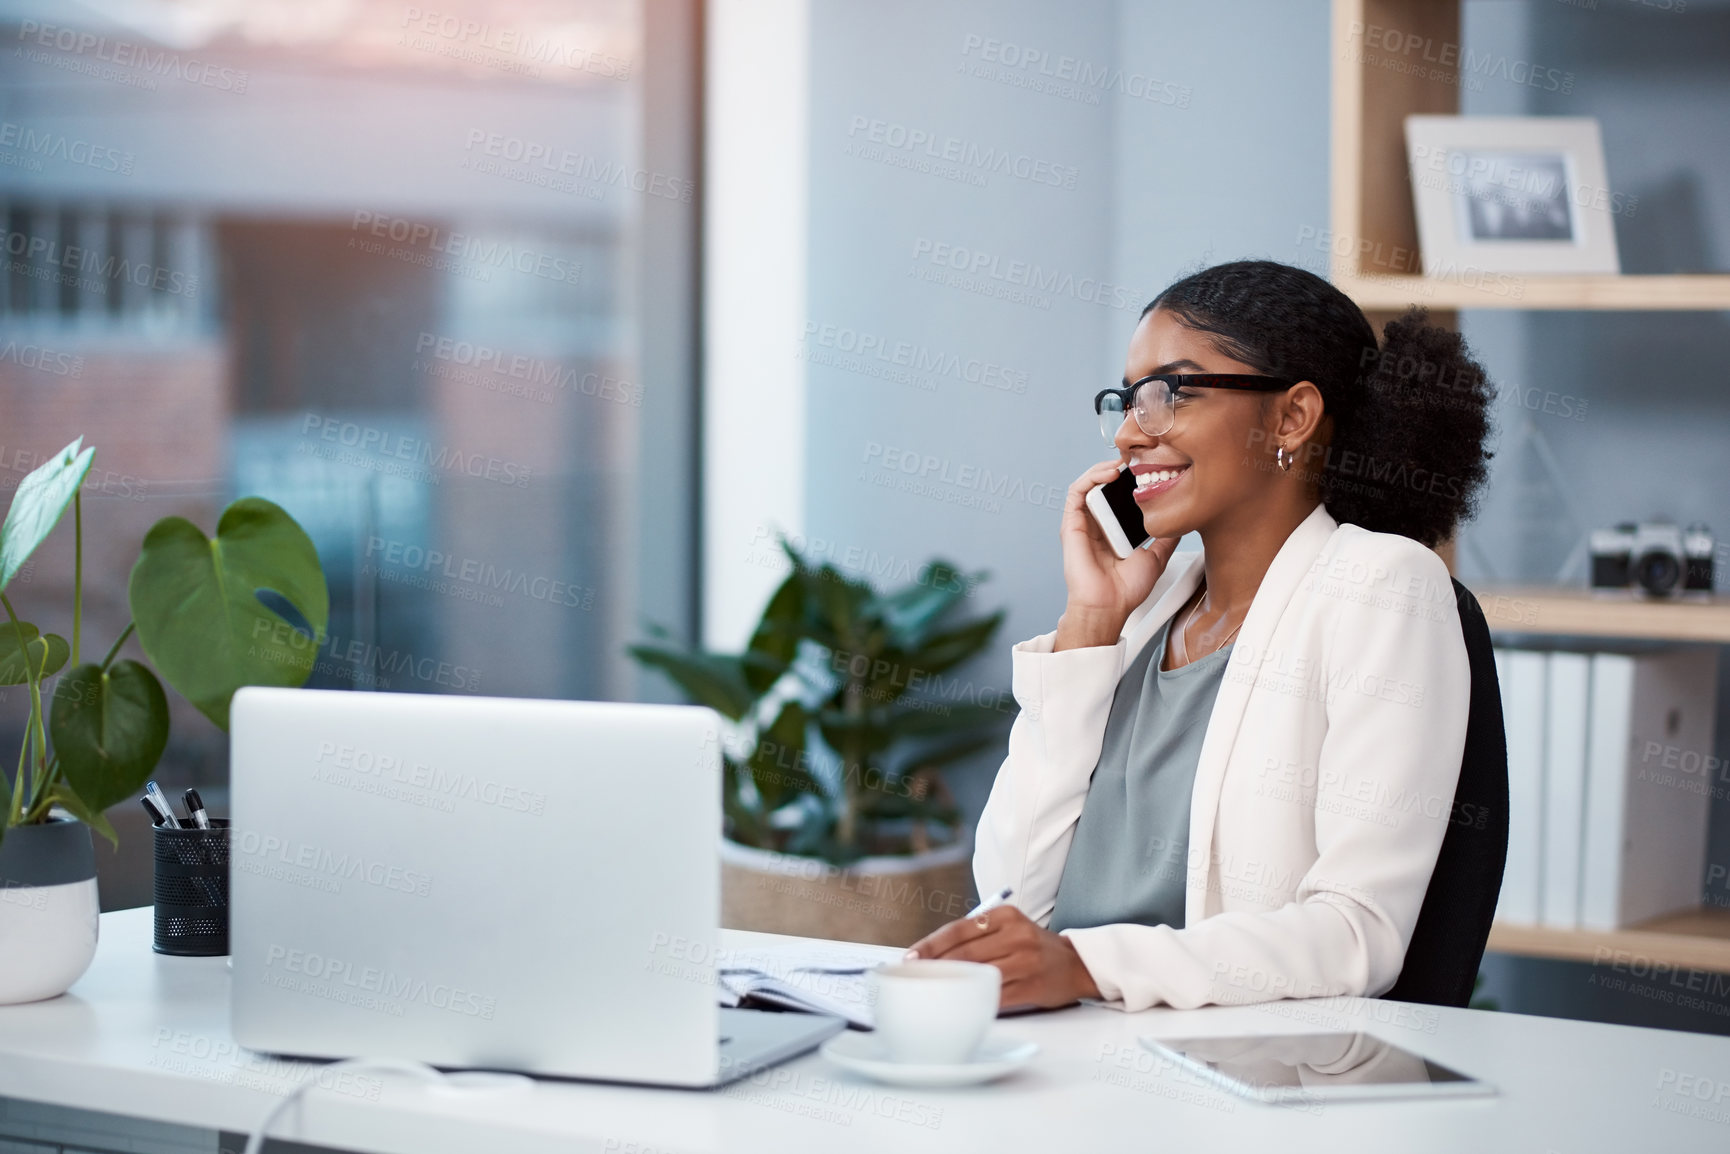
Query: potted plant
x=247 y=607
x=844 y=711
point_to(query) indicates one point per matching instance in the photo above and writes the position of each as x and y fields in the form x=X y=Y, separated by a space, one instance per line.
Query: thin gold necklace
x=1193 y=610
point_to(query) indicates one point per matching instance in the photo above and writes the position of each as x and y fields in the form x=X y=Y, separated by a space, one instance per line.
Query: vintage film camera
x=1654 y=556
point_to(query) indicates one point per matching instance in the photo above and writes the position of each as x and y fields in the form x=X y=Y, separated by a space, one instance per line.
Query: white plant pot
x=48 y=909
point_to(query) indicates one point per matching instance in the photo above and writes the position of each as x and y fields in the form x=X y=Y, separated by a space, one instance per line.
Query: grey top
x=1127 y=860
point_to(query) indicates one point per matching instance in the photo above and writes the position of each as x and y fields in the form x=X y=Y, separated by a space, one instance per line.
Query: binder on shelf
x=1649 y=784
x=1567 y=696
x=1522 y=675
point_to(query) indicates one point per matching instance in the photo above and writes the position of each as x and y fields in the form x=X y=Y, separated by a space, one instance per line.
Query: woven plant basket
x=886 y=901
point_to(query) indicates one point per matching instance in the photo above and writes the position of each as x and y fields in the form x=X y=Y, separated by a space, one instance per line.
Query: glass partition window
x=392 y=268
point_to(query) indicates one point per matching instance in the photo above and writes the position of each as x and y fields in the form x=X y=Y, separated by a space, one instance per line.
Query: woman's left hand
x=1039 y=968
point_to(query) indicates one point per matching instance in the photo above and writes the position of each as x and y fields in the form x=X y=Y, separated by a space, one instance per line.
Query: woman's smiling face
x=1220 y=445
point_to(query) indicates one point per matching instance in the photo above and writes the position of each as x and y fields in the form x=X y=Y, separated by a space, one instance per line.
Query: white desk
x=147 y=1036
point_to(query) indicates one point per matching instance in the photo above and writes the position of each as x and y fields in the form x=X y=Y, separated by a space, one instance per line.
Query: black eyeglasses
x=1150 y=398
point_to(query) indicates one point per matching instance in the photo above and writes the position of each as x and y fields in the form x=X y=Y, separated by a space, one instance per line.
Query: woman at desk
x=1232 y=769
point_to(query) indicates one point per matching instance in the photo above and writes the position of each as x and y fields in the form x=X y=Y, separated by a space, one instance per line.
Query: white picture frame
x=1511 y=194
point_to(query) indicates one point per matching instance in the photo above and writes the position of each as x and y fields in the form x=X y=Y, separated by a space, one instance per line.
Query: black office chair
x=1454 y=924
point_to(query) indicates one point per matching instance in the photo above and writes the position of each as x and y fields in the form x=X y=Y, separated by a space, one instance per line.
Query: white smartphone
x=1113 y=506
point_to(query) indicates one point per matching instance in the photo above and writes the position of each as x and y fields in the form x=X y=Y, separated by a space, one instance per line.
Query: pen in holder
x=192 y=890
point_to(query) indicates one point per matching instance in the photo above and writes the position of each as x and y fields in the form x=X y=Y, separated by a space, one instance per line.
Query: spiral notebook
x=817 y=978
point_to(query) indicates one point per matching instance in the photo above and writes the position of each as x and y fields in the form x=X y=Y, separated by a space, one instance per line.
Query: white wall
x=1207 y=140
x=756 y=239
x=935 y=410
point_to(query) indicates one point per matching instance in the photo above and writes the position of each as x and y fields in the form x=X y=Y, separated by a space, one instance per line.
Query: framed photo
x=1516 y=194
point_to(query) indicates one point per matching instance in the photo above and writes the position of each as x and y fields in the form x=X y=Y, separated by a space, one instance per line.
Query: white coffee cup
x=935 y=1012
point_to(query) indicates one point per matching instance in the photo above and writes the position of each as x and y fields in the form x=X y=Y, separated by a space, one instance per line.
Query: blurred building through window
x=387 y=267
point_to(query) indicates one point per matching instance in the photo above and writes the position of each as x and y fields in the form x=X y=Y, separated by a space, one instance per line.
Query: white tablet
x=1315 y=1067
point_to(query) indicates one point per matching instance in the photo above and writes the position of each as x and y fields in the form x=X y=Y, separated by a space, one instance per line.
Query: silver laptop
x=486 y=882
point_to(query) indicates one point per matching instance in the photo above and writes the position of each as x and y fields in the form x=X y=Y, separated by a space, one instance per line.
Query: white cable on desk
x=255 y=1144
x=464 y=1083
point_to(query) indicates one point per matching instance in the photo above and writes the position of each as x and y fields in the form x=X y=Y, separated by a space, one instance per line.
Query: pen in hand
x=1001 y=897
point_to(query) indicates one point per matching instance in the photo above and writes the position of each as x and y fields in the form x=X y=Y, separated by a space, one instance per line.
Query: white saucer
x=866 y=1054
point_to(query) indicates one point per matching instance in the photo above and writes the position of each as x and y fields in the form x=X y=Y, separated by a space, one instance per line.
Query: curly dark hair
x=1410 y=416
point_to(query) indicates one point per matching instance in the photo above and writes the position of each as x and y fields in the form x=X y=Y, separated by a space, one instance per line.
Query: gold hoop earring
x=1284 y=458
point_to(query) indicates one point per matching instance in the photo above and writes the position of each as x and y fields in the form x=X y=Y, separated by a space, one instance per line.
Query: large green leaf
x=778 y=765
x=109 y=728
x=839 y=615
x=37 y=507
x=956 y=717
x=743 y=823
x=890 y=672
x=886 y=675
x=947 y=650
x=61 y=794
x=860 y=736
x=712 y=679
x=247 y=607
x=776 y=639
x=913 y=610
x=878 y=728
x=48 y=654
x=935 y=757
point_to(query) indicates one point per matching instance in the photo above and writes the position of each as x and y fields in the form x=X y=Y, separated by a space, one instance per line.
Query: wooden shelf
x=1374 y=260
x=1532 y=291
x=1374 y=241
x=1692 y=939
x=1602 y=613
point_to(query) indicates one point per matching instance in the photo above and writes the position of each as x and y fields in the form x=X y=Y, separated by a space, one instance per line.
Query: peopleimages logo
x=359 y=661
x=439 y=782
x=977 y=270
x=160 y=62
x=931 y=470
x=472 y=571
x=42 y=253
x=870 y=137
x=465 y=248
x=1490 y=178
x=335 y=976
x=533 y=372
x=58 y=146
x=28 y=355
x=1414 y=54
x=1068 y=77
x=872 y=354
x=590 y=170
x=1299 y=675
x=372 y=444
x=532 y=48
x=271 y=855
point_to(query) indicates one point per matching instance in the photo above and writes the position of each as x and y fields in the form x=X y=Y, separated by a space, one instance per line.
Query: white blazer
x=1323 y=788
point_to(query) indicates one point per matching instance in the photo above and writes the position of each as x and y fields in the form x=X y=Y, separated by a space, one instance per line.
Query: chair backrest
x=1447 y=945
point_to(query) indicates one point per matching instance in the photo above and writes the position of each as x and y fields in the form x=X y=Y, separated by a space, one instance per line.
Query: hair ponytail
x=1410 y=416
x=1408 y=457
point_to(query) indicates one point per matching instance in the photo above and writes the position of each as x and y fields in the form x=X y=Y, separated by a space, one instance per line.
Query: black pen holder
x=191 y=890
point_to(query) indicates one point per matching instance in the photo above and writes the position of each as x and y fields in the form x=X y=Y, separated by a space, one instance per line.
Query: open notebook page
x=828 y=977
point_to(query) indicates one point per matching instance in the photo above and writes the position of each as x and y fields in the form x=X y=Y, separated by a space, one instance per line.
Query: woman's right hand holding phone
x=1103 y=590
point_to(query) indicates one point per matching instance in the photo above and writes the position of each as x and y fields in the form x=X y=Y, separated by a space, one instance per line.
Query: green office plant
x=246 y=607
x=842 y=717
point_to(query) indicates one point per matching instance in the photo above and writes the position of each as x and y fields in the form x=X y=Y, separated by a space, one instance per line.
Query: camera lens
x=1658 y=571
